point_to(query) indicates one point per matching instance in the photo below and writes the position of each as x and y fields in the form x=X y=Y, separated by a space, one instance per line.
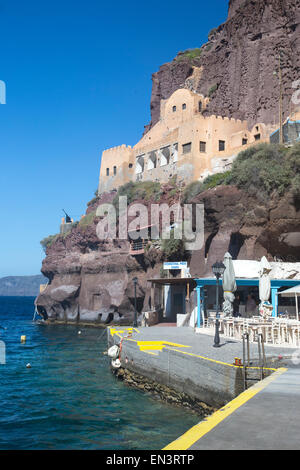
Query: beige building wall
x=183 y=143
x=117 y=168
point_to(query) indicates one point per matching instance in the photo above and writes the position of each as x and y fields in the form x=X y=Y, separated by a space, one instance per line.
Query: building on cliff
x=291 y=130
x=183 y=142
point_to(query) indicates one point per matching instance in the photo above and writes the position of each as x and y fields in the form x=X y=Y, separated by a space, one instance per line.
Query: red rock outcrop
x=91 y=280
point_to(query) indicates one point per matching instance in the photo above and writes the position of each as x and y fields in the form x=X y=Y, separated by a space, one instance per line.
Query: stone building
x=184 y=142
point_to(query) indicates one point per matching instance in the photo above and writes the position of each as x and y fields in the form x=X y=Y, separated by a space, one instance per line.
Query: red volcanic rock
x=239 y=60
x=247 y=226
x=91 y=279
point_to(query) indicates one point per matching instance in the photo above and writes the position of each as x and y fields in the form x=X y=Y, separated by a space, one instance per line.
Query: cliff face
x=236 y=66
x=91 y=280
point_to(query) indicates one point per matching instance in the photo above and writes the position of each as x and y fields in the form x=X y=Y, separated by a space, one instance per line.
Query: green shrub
x=47 y=241
x=173 y=248
x=216 y=180
x=87 y=220
x=145 y=190
x=197 y=187
x=190 y=54
x=192 y=190
x=295 y=186
x=212 y=90
x=266 y=167
x=173 y=192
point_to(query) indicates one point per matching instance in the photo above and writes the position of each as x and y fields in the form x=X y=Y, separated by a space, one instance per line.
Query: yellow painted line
x=157 y=345
x=197 y=432
x=150 y=352
x=172 y=346
x=152 y=347
x=219 y=362
x=116 y=331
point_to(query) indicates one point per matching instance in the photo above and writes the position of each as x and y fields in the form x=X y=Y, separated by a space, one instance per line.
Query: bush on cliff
x=47 y=241
x=173 y=249
x=87 y=220
x=189 y=54
x=198 y=187
x=265 y=168
x=144 y=190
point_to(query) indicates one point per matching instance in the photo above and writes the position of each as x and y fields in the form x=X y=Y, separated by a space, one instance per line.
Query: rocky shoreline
x=162 y=392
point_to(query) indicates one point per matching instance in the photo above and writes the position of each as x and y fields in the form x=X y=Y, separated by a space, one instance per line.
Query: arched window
x=115 y=170
x=152 y=161
x=107 y=171
x=164 y=155
x=139 y=167
x=174 y=109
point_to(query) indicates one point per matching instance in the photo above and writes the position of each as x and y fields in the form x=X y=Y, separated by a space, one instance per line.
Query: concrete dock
x=188 y=363
x=264 y=417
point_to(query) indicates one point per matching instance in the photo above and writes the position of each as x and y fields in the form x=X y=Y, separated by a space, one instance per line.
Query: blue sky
x=78 y=77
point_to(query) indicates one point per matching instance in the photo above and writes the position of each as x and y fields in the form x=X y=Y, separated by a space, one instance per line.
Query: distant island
x=27 y=286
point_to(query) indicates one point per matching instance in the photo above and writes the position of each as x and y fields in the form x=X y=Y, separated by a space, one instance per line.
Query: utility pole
x=280 y=102
x=279 y=74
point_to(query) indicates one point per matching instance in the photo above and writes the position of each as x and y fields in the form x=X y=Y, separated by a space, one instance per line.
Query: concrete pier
x=264 y=417
x=188 y=362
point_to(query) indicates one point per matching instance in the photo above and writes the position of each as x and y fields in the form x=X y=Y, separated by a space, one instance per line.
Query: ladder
x=250 y=374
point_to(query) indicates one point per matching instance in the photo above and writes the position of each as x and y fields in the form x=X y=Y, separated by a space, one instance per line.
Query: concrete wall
x=121 y=158
x=212 y=382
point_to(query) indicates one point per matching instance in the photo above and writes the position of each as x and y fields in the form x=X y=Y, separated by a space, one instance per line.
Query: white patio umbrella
x=292 y=292
x=229 y=285
x=264 y=285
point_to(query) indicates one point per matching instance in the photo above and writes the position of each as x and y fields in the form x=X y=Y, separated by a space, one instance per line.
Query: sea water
x=69 y=399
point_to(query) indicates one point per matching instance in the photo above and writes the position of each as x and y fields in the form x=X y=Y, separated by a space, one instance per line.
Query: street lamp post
x=218 y=270
x=135 y=280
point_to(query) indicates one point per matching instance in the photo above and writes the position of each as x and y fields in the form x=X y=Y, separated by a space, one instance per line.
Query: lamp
x=218 y=269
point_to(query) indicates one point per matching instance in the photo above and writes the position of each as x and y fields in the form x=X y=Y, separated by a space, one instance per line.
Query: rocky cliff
x=91 y=280
x=236 y=66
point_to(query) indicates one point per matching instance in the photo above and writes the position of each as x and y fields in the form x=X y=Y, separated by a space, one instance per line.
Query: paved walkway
x=264 y=417
x=202 y=344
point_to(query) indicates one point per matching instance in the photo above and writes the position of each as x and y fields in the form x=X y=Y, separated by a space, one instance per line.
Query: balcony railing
x=137 y=247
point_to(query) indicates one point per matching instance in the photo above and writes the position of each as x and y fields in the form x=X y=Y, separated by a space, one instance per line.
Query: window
x=200 y=106
x=221 y=145
x=107 y=171
x=257 y=137
x=244 y=141
x=184 y=106
x=186 y=148
x=174 y=109
x=115 y=170
x=130 y=165
x=202 y=147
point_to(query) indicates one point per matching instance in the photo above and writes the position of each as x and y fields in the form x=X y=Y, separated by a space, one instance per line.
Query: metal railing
x=247 y=360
